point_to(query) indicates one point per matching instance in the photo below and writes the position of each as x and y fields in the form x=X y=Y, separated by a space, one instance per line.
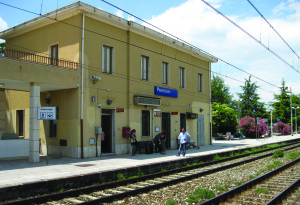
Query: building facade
x=104 y=74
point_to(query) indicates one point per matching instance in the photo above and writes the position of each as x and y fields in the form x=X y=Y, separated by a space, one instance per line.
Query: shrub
x=120 y=177
x=220 y=188
x=193 y=198
x=278 y=153
x=205 y=193
x=283 y=128
x=247 y=126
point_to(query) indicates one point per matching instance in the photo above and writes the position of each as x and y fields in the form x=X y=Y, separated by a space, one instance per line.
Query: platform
x=17 y=172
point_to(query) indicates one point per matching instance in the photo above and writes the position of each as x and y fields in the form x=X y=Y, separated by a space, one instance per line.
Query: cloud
x=120 y=14
x=3 y=25
x=199 y=25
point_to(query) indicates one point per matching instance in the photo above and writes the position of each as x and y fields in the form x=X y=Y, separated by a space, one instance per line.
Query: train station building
x=101 y=73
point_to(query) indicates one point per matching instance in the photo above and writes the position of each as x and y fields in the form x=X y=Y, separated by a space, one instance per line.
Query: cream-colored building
x=102 y=72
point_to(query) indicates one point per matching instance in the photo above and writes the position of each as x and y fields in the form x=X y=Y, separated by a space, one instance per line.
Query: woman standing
x=133 y=141
x=163 y=138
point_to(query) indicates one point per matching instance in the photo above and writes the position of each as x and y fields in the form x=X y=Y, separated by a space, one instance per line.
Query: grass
x=163 y=169
x=238 y=183
x=271 y=166
x=220 y=188
x=204 y=193
x=277 y=163
x=193 y=198
x=293 y=155
x=171 y=202
x=278 y=153
x=252 y=176
x=120 y=177
x=262 y=191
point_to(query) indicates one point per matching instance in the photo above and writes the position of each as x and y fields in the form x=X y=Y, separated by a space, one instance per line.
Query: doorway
x=20 y=122
x=107 y=118
x=182 y=121
x=166 y=124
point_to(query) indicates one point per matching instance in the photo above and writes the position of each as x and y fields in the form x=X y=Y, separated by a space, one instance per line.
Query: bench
x=10 y=136
x=147 y=145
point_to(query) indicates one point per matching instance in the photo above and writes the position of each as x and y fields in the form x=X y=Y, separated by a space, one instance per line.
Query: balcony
x=40 y=59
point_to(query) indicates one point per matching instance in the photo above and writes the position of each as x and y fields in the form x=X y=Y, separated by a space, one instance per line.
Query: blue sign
x=165 y=92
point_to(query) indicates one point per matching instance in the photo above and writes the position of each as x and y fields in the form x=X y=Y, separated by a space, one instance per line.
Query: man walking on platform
x=182 y=139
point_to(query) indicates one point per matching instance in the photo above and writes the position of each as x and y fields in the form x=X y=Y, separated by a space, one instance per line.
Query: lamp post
x=271 y=109
x=295 y=108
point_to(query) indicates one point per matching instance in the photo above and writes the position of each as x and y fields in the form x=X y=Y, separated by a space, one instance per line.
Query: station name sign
x=166 y=92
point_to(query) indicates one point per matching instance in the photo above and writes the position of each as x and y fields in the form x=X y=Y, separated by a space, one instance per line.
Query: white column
x=34 y=155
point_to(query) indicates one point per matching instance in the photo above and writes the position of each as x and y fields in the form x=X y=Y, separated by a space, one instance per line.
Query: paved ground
x=16 y=172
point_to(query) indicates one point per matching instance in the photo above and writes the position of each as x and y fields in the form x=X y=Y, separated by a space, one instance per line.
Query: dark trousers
x=157 y=147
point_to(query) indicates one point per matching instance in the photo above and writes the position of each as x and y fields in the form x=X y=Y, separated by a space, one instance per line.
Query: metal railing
x=39 y=59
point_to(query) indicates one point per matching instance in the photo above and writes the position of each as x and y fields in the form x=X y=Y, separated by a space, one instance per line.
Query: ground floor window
x=145 y=123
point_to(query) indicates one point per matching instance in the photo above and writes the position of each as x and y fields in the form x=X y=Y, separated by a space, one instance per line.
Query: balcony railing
x=40 y=59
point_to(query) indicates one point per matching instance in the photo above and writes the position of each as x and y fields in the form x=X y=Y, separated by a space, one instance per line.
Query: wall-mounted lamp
x=201 y=110
x=109 y=102
x=95 y=78
x=47 y=100
x=93 y=98
x=190 y=106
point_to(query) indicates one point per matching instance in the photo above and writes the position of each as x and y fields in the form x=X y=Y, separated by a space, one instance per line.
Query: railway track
x=271 y=188
x=121 y=189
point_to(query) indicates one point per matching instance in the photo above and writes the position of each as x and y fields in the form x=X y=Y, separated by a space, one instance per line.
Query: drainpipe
x=82 y=63
x=210 y=108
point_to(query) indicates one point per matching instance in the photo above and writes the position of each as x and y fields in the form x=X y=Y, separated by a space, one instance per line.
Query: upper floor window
x=200 y=82
x=165 y=73
x=54 y=54
x=145 y=67
x=182 y=77
x=107 y=59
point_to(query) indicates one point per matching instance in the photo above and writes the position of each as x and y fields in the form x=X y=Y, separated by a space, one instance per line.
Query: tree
x=250 y=105
x=282 y=106
x=224 y=118
x=2 y=47
x=220 y=91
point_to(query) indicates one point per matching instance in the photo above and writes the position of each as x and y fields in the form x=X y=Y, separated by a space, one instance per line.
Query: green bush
x=294 y=155
x=220 y=188
x=193 y=198
x=271 y=166
x=120 y=177
x=140 y=173
x=278 y=153
x=205 y=193
x=277 y=163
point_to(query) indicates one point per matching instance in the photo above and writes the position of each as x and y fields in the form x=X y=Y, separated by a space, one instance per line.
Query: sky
x=198 y=24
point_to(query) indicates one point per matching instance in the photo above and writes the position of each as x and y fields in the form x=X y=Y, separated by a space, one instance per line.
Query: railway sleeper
x=89 y=197
x=73 y=200
x=100 y=193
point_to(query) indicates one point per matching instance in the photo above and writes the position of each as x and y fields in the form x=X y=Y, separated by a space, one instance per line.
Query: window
x=200 y=82
x=54 y=54
x=107 y=59
x=145 y=68
x=182 y=77
x=165 y=73
x=145 y=123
